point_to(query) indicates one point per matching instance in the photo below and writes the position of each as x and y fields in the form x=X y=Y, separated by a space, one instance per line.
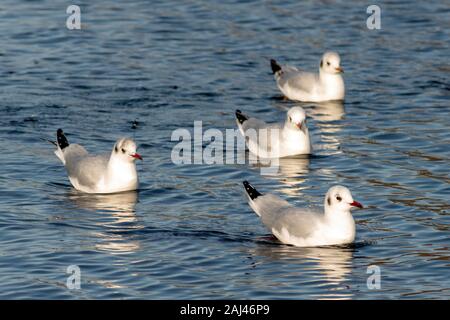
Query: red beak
x=356 y=204
x=339 y=69
x=299 y=125
x=137 y=156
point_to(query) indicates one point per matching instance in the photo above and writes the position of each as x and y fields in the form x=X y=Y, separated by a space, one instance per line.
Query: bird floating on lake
x=299 y=85
x=307 y=227
x=276 y=140
x=108 y=173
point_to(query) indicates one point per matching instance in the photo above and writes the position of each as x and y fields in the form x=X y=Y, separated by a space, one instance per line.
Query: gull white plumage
x=299 y=85
x=276 y=140
x=108 y=173
x=307 y=227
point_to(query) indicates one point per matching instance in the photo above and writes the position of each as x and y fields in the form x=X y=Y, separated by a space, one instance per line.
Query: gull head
x=296 y=118
x=125 y=149
x=331 y=63
x=339 y=199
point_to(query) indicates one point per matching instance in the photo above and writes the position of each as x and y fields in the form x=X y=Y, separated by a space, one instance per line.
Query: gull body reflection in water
x=327 y=111
x=326 y=116
x=328 y=267
x=118 y=220
x=291 y=171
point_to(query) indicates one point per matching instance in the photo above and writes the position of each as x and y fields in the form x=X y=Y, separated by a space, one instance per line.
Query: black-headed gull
x=307 y=227
x=109 y=173
x=276 y=140
x=305 y=86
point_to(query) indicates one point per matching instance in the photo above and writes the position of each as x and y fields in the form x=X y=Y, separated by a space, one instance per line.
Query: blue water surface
x=188 y=233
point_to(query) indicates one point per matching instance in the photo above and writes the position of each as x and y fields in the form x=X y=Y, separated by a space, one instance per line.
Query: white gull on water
x=307 y=227
x=108 y=173
x=299 y=85
x=276 y=140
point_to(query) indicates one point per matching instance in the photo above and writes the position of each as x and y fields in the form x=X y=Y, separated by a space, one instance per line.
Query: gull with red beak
x=307 y=227
x=299 y=85
x=279 y=139
x=108 y=173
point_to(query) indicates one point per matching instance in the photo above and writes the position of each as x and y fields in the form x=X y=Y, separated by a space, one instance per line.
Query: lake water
x=189 y=232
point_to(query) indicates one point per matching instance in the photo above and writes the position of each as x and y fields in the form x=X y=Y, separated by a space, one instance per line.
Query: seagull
x=109 y=173
x=305 y=86
x=276 y=140
x=306 y=227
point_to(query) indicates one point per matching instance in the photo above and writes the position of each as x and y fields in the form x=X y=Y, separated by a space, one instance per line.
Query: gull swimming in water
x=299 y=85
x=307 y=227
x=276 y=140
x=108 y=173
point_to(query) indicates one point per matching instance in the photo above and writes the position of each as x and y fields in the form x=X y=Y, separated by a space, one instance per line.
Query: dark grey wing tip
x=241 y=117
x=275 y=66
x=251 y=191
x=61 y=138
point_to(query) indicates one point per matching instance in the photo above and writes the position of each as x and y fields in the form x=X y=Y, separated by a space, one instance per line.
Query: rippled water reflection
x=188 y=232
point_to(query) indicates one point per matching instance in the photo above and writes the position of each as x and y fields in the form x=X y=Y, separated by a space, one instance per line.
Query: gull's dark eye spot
x=290 y=119
x=123 y=150
x=338 y=198
x=329 y=201
x=328 y=63
x=321 y=63
x=115 y=149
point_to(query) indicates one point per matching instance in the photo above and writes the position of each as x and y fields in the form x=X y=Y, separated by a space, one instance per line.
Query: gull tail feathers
x=275 y=66
x=240 y=117
x=61 y=144
x=252 y=195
